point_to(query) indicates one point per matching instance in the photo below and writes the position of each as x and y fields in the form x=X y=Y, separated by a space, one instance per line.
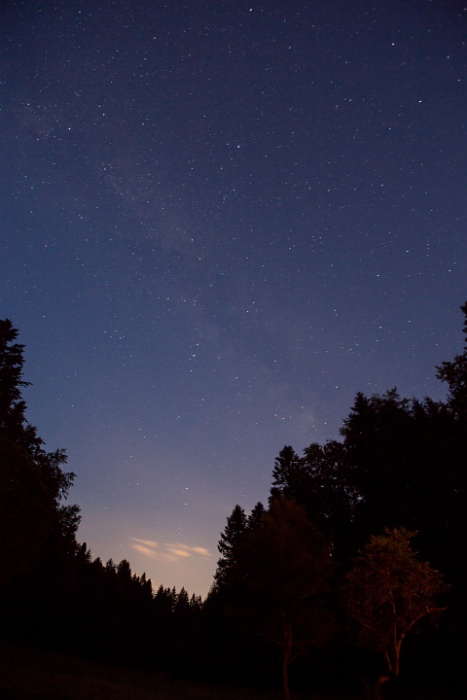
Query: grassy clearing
x=28 y=674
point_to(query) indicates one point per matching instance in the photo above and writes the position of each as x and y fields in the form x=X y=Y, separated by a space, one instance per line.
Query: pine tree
x=35 y=525
x=228 y=545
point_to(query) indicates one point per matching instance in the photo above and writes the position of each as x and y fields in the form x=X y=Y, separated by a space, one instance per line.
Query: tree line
x=359 y=547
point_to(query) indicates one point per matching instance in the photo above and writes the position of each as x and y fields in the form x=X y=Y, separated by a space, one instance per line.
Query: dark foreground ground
x=29 y=674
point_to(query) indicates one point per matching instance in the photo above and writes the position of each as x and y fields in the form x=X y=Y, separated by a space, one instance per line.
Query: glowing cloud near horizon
x=167 y=551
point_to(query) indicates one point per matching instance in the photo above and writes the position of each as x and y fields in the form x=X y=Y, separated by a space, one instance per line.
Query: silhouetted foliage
x=286 y=566
x=454 y=373
x=318 y=482
x=273 y=587
x=38 y=542
x=290 y=476
x=228 y=546
x=405 y=459
x=256 y=518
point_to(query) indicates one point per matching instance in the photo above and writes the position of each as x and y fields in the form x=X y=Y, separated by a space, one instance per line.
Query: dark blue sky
x=219 y=221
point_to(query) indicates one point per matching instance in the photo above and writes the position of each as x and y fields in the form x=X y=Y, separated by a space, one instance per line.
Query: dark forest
x=350 y=578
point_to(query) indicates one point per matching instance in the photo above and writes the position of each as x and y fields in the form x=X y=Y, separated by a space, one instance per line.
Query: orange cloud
x=166 y=551
x=179 y=552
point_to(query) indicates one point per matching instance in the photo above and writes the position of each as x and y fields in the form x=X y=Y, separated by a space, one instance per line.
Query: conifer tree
x=33 y=483
x=228 y=546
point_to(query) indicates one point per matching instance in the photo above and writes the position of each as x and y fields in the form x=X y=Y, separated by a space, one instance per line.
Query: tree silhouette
x=289 y=476
x=318 y=482
x=36 y=527
x=454 y=373
x=283 y=568
x=405 y=460
x=228 y=546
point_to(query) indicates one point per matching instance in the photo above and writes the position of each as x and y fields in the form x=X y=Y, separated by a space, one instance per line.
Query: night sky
x=219 y=221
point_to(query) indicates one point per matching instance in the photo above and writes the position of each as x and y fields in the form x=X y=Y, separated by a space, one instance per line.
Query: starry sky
x=219 y=221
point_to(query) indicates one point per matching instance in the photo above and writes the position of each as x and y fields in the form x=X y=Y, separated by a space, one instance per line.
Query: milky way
x=220 y=221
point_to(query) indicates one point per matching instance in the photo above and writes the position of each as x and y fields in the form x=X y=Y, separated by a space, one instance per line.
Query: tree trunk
x=287 y=645
x=373 y=689
x=285 y=675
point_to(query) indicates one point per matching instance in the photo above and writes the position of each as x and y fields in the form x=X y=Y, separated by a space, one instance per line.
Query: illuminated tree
x=389 y=591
